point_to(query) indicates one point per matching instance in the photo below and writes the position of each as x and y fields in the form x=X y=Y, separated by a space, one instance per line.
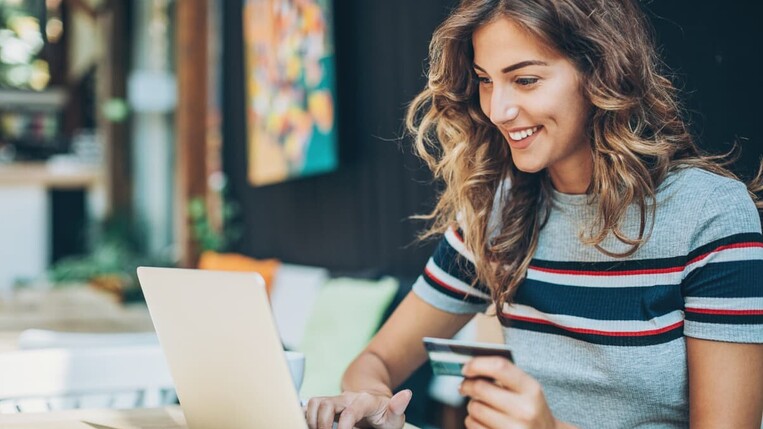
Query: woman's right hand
x=358 y=409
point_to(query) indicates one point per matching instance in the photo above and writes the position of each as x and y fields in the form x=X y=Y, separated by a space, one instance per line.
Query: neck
x=574 y=175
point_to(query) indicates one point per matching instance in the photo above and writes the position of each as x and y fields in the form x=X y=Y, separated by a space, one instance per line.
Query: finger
x=471 y=423
x=361 y=407
x=489 y=417
x=399 y=402
x=313 y=405
x=488 y=392
x=501 y=370
x=311 y=415
x=326 y=414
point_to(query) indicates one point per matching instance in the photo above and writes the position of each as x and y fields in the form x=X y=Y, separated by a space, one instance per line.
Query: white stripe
x=626 y=280
x=598 y=325
x=449 y=357
x=727 y=255
x=453 y=282
x=725 y=303
x=457 y=244
x=644 y=280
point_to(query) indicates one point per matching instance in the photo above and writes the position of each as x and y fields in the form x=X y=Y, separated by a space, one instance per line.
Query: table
x=80 y=308
x=70 y=308
x=140 y=418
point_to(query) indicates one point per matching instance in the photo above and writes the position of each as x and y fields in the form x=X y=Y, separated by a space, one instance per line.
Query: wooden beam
x=112 y=83
x=191 y=116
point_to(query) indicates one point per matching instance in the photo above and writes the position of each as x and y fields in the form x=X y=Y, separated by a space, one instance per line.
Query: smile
x=523 y=134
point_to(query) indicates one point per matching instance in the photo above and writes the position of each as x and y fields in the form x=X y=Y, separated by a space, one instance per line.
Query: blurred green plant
x=112 y=261
x=21 y=42
x=205 y=233
x=116 y=110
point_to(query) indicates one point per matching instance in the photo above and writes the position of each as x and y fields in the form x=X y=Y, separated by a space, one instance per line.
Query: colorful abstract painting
x=291 y=90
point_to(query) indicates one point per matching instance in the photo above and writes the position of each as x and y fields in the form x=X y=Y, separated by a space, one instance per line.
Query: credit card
x=447 y=357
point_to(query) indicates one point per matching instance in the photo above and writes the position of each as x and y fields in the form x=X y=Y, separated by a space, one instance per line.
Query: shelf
x=52 y=176
x=51 y=97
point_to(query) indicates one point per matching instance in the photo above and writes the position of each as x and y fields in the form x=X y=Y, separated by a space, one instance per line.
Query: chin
x=528 y=167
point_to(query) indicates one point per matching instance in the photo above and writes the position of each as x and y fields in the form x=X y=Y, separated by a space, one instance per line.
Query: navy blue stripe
x=601 y=303
x=455 y=264
x=606 y=340
x=724 y=319
x=747 y=237
x=734 y=279
x=453 y=294
x=648 y=264
x=614 y=266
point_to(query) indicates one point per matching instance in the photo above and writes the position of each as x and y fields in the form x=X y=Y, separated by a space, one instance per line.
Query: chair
x=111 y=377
x=293 y=297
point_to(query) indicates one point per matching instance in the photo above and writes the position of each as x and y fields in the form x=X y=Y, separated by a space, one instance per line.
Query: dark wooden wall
x=356 y=219
x=715 y=49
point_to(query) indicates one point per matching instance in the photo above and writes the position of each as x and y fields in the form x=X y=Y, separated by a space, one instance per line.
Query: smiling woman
x=545 y=87
x=621 y=261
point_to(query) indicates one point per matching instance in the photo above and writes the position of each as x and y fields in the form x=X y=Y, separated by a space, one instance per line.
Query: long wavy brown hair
x=637 y=131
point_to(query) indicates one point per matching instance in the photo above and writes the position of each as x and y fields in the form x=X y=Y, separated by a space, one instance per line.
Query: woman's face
x=533 y=96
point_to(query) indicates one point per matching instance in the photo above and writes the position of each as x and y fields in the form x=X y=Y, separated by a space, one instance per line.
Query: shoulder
x=719 y=206
x=696 y=181
x=701 y=187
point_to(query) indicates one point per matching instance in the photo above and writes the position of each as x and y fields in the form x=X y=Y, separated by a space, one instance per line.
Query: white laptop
x=222 y=348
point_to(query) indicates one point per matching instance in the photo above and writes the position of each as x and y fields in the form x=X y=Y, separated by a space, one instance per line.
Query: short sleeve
x=447 y=282
x=723 y=279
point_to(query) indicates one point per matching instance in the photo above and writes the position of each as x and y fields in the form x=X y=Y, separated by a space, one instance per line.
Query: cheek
x=485 y=103
x=568 y=111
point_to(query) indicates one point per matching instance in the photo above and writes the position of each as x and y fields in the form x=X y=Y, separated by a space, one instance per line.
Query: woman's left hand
x=514 y=400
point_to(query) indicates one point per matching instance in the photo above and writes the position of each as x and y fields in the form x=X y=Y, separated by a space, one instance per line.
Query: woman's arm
x=391 y=356
x=725 y=384
x=396 y=350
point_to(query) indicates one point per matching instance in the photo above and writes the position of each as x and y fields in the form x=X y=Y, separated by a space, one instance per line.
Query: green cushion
x=346 y=314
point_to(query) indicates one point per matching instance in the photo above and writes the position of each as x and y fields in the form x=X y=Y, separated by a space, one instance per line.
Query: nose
x=502 y=108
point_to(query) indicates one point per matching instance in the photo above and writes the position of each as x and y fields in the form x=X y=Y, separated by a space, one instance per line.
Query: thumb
x=399 y=402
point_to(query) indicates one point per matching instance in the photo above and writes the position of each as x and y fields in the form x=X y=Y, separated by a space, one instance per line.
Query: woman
x=624 y=265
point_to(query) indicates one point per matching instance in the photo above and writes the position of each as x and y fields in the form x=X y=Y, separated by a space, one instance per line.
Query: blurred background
x=158 y=131
x=116 y=116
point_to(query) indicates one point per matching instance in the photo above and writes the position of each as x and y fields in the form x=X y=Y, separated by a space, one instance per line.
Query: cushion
x=346 y=314
x=267 y=268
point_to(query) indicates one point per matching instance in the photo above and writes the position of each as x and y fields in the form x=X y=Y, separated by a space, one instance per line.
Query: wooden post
x=113 y=75
x=191 y=117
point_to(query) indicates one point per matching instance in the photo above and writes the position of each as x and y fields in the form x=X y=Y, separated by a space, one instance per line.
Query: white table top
x=141 y=418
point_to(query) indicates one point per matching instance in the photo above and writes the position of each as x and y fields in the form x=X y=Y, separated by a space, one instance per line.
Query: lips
x=522 y=138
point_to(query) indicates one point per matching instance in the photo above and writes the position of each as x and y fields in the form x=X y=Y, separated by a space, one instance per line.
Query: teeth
x=519 y=135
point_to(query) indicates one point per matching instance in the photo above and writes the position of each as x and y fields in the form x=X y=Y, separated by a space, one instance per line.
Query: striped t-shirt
x=605 y=336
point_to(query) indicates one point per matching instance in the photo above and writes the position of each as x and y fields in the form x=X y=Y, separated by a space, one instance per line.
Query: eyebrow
x=516 y=66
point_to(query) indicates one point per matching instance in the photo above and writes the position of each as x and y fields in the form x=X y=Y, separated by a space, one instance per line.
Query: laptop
x=223 y=349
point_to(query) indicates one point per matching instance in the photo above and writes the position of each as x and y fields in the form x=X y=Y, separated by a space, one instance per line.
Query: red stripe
x=458 y=236
x=610 y=273
x=442 y=283
x=648 y=271
x=748 y=245
x=725 y=312
x=597 y=332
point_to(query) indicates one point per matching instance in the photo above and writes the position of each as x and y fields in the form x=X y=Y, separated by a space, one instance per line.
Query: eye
x=482 y=80
x=526 y=81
